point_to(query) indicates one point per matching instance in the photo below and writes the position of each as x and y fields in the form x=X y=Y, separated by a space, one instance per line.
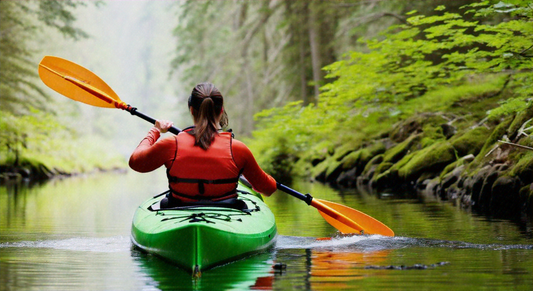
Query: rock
x=333 y=172
x=518 y=122
x=505 y=199
x=454 y=194
x=526 y=200
x=476 y=183
x=348 y=178
x=466 y=200
x=369 y=170
x=431 y=186
x=452 y=177
x=485 y=193
x=389 y=180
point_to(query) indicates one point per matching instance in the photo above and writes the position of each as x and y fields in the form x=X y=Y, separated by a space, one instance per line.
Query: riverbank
x=30 y=167
x=40 y=173
x=485 y=166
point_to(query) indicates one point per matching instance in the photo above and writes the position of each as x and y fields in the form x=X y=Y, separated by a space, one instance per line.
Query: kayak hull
x=199 y=238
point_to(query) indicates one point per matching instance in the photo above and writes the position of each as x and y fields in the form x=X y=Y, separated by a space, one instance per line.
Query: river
x=73 y=234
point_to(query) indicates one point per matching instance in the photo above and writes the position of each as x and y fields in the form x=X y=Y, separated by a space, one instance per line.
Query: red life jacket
x=198 y=174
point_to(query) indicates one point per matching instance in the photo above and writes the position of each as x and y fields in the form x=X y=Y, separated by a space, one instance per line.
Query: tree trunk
x=314 y=44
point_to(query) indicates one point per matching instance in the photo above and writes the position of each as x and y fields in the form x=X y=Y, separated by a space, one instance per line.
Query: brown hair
x=207 y=104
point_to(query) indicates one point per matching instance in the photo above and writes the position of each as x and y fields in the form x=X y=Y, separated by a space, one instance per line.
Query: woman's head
x=207 y=107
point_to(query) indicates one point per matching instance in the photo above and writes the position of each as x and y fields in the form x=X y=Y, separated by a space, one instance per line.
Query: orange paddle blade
x=77 y=83
x=350 y=220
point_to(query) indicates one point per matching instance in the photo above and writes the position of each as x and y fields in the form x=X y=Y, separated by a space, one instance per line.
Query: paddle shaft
x=134 y=111
x=307 y=198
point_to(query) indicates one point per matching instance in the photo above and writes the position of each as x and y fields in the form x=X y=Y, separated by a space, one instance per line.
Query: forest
x=430 y=96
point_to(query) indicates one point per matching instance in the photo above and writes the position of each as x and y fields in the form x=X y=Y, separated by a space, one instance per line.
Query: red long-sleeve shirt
x=151 y=154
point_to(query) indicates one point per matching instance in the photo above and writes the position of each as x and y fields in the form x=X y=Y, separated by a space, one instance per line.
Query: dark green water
x=73 y=234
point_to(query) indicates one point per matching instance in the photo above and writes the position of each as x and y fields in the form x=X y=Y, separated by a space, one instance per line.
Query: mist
x=130 y=47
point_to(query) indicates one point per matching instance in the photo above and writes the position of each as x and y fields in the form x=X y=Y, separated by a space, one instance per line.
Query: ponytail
x=207 y=104
x=206 y=127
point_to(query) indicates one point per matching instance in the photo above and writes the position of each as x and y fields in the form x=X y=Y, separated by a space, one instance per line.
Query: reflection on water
x=255 y=272
x=73 y=234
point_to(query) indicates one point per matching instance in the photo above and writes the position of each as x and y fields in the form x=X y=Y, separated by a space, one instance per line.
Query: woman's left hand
x=163 y=125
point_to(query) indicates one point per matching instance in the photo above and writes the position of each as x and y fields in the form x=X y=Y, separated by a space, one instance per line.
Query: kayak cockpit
x=241 y=203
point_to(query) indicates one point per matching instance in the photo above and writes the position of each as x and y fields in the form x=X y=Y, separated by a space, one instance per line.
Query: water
x=73 y=234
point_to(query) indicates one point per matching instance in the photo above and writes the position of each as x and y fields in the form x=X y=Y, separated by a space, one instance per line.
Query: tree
x=403 y=72
x=263 y=54
x=19 y=22
x=27 y=124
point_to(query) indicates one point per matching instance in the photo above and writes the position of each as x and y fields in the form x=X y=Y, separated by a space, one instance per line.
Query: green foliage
x=289 y=130
x=31 y=136
x=20 y=21
x=429 y=64
x=38 y=139
x=16 y=137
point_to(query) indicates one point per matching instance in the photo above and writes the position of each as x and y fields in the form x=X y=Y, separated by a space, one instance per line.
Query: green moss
x=525 y=164
x=450 y=168
x=471 y=141
x=431 y=159
x=362 y=156
x=397 y=166
x=395 y=153
x=321 y=168
x=432 y=133
x=383 y=167
x=427 y=123
x=332 y=167
x=496 y=134
x=374 y=161
x=310 y=158
x=342 y=151
x=353 y=158
x=518 y=121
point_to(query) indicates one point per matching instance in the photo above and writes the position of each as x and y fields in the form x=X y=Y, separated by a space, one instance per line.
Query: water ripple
x=83 y=244
x=372 y=243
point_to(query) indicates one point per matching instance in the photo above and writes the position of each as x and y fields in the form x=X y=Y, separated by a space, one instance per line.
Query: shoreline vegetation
x=440 y=105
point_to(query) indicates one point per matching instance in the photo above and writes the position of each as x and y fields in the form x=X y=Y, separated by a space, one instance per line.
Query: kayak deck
x=197 y=238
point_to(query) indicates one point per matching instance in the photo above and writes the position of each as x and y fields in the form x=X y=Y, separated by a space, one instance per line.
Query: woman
x=203 y=163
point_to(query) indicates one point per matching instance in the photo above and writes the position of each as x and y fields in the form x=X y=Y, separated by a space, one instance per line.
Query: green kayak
x=200 y=237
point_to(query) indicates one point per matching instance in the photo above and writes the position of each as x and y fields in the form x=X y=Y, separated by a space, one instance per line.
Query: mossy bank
x=482 y=165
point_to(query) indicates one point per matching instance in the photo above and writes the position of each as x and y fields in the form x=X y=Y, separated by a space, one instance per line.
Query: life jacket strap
x=230 y=194
x=201 y=182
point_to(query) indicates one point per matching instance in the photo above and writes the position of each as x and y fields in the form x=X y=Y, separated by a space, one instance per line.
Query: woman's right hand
x=163 y=125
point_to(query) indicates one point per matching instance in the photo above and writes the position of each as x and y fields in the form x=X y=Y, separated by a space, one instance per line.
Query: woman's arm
x=261 y=181
x=151 y=154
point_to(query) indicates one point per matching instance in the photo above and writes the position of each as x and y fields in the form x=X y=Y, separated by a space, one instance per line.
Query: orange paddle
x=345 y=219
x=80 y=84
